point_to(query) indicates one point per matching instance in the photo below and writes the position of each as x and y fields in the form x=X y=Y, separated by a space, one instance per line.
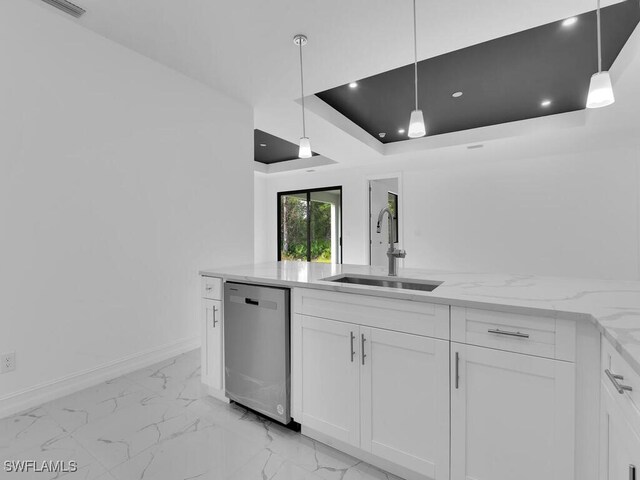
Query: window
x=393 y=208
x=310 y=225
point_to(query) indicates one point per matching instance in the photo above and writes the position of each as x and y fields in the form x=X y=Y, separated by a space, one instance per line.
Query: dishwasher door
x=256 y=348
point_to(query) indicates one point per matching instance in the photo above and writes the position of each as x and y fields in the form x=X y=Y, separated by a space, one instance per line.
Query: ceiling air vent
x=66 y=7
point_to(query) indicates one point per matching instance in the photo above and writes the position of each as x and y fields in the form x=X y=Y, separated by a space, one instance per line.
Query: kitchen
x=137 y=193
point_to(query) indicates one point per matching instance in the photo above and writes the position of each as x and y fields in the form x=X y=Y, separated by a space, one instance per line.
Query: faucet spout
x=391 y=224
x=393 y=253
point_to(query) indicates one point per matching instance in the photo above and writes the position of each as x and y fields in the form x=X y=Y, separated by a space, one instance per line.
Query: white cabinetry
x=383 y=392
x=382 y=379
x=512 y=409
x=330 y=378
x=512 y=416
x=211 y=320
x=620 y=458
x=404 y=398
x=529 y=334
x=620 y=420
x=212 y=343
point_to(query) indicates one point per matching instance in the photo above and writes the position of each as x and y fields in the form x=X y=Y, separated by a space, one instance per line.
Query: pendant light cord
x=304 y=126
x=415 y=52
x=599 y=38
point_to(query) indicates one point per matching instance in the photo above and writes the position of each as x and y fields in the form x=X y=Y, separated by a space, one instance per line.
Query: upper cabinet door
x=330 y=358
x=405 y=400
x=211 y=350
x=512 y=416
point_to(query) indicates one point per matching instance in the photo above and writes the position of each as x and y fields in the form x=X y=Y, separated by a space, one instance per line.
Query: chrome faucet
x=393 y=253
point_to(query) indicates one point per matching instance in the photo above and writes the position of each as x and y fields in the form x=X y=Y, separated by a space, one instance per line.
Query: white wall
x=378 y=199
x=119 y=179
x=261 y=244
x=564 y=215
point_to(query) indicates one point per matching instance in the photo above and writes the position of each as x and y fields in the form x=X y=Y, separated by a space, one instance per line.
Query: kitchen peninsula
x=479 y=378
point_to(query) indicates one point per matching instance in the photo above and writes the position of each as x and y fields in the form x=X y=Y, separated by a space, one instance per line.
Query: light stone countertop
x=613 y=306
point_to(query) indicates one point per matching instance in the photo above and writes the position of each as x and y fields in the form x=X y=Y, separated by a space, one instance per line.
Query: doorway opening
x=310 y=225
x=383 y=192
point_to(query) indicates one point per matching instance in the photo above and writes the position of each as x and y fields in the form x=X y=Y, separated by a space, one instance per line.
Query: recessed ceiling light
x=545 y=103
x=569 y=21
x=401 y=131
x=353 y=84
x=382 y=134
x=473 y=147
x=310 y=171
x=263 y=144
x=457 y=94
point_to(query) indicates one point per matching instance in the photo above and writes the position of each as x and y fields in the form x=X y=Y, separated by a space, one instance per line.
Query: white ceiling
x=245 y=49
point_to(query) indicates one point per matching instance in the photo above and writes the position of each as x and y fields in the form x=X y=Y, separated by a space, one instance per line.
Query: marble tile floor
x=158 y=424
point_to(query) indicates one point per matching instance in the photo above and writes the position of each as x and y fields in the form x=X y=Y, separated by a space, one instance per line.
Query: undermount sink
x=387 y=282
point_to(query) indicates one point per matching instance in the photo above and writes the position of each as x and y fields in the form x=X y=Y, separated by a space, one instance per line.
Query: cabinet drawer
x=529 y=334
x=426 y=319
x=624 y=377
x=212 y=288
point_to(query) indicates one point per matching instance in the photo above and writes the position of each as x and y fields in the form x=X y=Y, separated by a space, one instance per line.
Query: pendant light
x=305 y=145
x=600 y=89
x=417 y=127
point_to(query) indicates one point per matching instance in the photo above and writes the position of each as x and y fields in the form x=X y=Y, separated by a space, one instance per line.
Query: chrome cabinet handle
x=614 y=379
x=353 y=352
x=214 y=317
x=632 y=472
x=362 y=353
x=457 y=370
x=497 y=331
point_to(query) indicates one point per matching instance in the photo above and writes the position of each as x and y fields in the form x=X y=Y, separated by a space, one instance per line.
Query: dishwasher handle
x=254 y=302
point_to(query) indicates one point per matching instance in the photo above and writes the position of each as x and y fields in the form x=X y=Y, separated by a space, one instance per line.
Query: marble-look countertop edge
x=426 y=297
x=507 y=305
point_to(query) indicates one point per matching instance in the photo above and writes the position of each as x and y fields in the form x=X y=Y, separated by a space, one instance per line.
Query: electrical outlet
x=8 y=362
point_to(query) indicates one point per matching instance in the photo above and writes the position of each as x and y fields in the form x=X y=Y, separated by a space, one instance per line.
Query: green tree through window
x=309 y=225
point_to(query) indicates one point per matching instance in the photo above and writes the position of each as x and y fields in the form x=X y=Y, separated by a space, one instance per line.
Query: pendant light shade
x=417 y=127
x=600 y=88
x=305 y=144
x=305 y=148
x=600 y=91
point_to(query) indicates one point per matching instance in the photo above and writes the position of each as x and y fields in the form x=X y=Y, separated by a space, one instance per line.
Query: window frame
x=396 y=201
x=308 y=192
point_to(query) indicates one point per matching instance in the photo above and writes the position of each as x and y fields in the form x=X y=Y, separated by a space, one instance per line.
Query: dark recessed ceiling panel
x=502 y=80
x=271 y=149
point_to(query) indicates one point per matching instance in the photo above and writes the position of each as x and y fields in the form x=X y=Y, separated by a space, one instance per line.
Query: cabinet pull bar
x=632 y=472
x=497 y=331
x=457 y=370
x=214 y=317
x=614 y=379
x=362 y=353
x=353 y=352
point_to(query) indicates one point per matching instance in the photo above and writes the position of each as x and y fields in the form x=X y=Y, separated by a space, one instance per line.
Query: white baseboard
x=45 y=392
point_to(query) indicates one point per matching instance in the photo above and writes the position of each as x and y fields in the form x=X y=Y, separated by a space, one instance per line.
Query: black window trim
x=308 y=191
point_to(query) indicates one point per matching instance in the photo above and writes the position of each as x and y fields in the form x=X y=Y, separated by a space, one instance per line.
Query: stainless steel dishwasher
x=256 y=348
